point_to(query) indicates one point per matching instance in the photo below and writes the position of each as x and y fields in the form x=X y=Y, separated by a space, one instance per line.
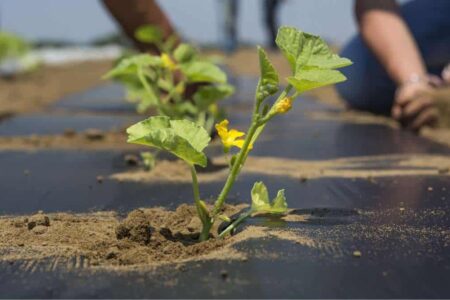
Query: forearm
x=387 y=35
x=131 y=14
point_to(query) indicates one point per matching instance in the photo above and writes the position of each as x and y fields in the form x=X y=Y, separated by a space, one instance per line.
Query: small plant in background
x=313 y=65
x=12 y=46
x=15 y=57
x=177 y=83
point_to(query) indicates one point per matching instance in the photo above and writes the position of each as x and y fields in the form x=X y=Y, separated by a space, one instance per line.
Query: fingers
x=416 y=113
x=413 y=108
x=396 y=112
x=428 y=117
x=410 y=92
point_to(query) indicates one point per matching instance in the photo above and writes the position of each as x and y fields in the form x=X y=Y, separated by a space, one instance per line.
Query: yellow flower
x=284 y=105
x=180 y=88
x=231 y=137
x=168 y=62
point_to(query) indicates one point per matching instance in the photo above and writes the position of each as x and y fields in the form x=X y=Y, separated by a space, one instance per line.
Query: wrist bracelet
x=429 y=79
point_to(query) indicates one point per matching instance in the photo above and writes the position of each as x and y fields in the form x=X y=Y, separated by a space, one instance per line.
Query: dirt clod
x=224 y=274
x=38 y=219
x=100 y=179
x=69 y=132
x=112 y=253
x=39 y=229
x=194 y=224
x=443 y=170
x=131 y=160
x=136 y=227
x=94 y=134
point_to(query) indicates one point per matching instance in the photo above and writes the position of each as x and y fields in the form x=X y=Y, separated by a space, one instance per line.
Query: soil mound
x=150 y=236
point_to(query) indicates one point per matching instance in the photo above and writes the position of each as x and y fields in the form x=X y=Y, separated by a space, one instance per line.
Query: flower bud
x=284 y=105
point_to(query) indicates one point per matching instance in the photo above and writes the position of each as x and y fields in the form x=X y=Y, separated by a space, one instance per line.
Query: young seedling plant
x=313 y=65
x=12 y=46
x=178 y=83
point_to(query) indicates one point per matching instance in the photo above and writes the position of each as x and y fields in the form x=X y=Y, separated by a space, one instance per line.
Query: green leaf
x=148 y=159
x=209 y=94
x=289 y=40
x=130 y=65
x=268 y=82
x=12 y=46
x=313 y=63
x=224 y=218
x=279 y=204
x=311 y=79
x=316 y=53
x=196 y=135
x=261 y=203
x=202 y=71
x=184 y=53
x=304 y=50
x=138 y=94
x=169 y=44
x=182 y=138
x=260 y=197
x=149 y=34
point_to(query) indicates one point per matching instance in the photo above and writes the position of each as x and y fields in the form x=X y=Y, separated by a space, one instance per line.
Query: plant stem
x=234 y=171
x=238 y=221
x=256 y=128
x=204 y=235
x=206 y=222
x=254 y=131
x=195 y=188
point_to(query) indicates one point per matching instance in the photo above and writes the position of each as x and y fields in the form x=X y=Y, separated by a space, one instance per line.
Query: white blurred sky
x=197 y=20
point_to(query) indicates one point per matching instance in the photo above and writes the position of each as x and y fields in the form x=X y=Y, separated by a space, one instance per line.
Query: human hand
x=414 y=105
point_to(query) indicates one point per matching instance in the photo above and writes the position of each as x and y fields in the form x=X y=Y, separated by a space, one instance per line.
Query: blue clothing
x=368 y=86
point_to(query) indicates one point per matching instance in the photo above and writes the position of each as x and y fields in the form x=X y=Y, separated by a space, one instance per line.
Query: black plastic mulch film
x=346 y=215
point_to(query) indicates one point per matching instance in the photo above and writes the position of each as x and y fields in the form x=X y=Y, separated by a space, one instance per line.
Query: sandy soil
x=360 y=167
x=35 y=91
x=68 y=141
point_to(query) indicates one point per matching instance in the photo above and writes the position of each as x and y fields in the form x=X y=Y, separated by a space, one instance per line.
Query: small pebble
x=94 y=134
x=181 y=268
x=131 y=159
x=112 y=253
x=99 y=179
x=69 y=132
x=40 y=229
x=224 y=274
x=430 y=189
x=357 y=253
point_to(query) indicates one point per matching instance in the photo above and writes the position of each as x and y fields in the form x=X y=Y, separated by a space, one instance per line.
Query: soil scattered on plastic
x=303 y=170
x=151 y=237
x=145 y=237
